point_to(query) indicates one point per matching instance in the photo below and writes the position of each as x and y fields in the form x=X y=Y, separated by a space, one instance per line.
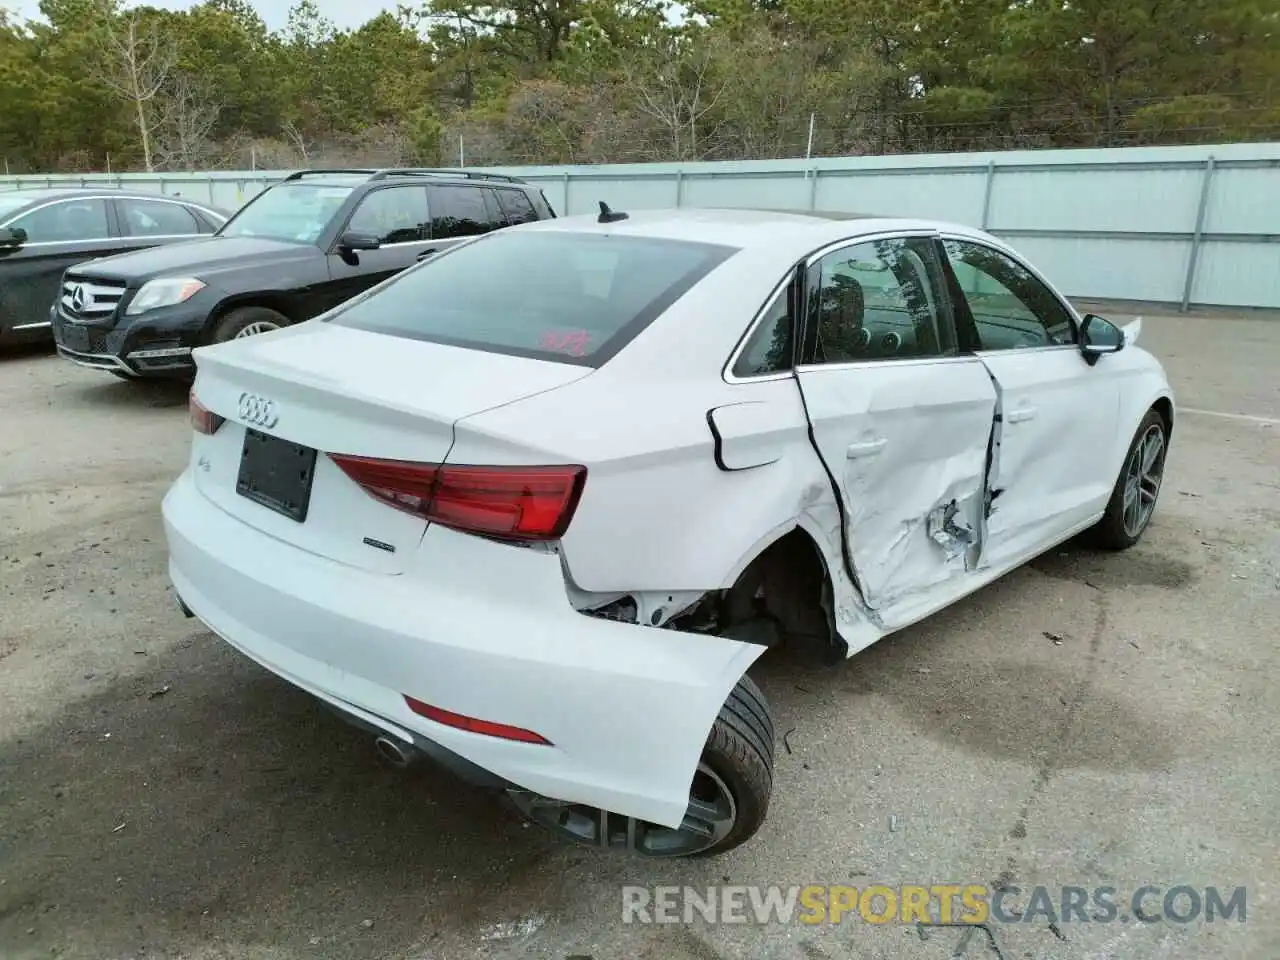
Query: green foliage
x=560 y=81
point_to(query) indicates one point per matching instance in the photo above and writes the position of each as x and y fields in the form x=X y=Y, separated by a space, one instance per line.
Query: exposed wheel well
x=788 y=587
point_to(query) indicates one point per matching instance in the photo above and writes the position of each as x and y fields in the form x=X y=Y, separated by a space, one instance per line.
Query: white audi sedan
x=534 y=507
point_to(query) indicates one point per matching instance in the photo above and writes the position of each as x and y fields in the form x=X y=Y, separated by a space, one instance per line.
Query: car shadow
x=113 y=391
x=26 y=351
x=205 y=799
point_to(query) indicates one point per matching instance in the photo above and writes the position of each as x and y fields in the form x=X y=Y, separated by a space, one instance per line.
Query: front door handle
x=428 y=253
x=1022 y=414
x=866 y=448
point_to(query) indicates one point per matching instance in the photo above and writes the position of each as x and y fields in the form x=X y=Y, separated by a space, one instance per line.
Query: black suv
x=299 y=248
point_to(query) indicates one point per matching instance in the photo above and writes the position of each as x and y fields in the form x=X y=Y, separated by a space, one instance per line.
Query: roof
x=44 y=194
x=744 y=228
x=361 y=175
x=54 y=193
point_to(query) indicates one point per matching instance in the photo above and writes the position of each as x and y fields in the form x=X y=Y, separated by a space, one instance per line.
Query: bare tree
x=673 y=85
x=137 y=60
x=186 y=113
x=295 y=137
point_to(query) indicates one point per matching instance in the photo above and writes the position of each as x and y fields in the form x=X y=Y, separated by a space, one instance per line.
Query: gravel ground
x=162 y=797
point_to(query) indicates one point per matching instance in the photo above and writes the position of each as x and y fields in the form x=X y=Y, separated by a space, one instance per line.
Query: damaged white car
x=533 y=507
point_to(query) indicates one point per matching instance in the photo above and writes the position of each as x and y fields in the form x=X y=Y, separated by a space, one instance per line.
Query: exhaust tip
x=399 y=755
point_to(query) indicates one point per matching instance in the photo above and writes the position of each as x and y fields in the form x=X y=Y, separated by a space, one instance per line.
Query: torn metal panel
x=950 y=532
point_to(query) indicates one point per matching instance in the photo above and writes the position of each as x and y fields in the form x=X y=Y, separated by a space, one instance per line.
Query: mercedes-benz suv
x=299 y=248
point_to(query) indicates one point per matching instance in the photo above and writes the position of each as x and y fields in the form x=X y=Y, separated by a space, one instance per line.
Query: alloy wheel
x=258 y=326
x=709 y=818
x=1142 y=480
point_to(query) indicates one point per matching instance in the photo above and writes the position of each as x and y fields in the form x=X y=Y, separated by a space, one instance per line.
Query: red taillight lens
x=472 y=725
x=203 y=420
x=515 y=503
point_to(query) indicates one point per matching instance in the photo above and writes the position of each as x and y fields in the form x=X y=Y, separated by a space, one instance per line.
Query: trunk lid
x=341 y=390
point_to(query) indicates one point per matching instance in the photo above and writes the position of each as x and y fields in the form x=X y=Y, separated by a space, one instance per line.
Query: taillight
x=203 y=420
x=513 y=503
x=472 y=725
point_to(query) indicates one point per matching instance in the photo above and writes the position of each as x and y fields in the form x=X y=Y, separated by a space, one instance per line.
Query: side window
x=155 y=218
x=458 y=212
x=393 y=215
x=769 y=348
x=879 y=300
x=66 y=220
x=1010 y=307
x=516 y=207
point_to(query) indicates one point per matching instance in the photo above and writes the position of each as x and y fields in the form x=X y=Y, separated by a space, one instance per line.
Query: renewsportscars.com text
x=934 y=903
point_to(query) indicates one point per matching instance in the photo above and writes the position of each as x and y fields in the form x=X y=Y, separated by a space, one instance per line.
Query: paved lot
x=162 y=797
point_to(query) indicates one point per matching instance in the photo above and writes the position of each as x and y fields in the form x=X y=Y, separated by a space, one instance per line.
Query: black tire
x=236 y=321
x=739 y=750
x=728 y=799
x=1112 y=532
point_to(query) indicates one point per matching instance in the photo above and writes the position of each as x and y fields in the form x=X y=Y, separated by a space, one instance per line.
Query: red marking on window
x=572 y=342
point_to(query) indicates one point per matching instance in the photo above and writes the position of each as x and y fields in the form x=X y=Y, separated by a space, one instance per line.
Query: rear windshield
x=570 y=297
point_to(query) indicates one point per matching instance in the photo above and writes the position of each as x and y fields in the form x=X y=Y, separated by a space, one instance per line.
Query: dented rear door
x=902 y=422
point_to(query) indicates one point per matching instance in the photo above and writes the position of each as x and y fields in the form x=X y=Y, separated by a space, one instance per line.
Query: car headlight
x=165 y=292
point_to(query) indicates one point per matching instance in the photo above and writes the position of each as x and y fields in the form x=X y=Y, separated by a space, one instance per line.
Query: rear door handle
x=428 y=253
x=1022 y=414
x=866 y=448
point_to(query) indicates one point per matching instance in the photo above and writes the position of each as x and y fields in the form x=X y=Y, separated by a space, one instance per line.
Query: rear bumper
x=476 y=628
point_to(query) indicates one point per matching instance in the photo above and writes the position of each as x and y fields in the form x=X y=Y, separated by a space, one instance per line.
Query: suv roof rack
x=441 y=171
x=320 y=172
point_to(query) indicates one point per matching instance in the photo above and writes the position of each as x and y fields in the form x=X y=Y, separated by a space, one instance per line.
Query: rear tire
x=246 y=322
x=728 y=798
x=1133 y=499
x=739 y=750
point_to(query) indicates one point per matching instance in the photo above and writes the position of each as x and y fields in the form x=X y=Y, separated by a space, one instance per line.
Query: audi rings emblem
x=258 y=411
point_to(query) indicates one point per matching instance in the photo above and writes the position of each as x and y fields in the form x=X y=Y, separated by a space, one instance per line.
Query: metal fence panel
x=1186 y=225
x=1231 y=273
x=1096 y=198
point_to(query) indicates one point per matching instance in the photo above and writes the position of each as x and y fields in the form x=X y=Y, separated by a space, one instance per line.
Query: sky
x=343 y=13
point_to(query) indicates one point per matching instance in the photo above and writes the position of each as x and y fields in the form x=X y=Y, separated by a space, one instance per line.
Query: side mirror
x=353 y=240
x=1098 y=337
x=12 y=237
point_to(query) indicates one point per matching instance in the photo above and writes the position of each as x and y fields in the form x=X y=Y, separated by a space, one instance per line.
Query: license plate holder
x=277 y=474
x=75 y=337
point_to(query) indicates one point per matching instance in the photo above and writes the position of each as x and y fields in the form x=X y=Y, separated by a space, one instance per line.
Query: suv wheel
x=246 y=322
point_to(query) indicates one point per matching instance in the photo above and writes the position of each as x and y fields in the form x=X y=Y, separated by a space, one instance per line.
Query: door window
x=155 y=218
x=66 y=220
x=878 y=300
x=1011 y=308
x=393 y=215
x=459 y=212
x=516 y=207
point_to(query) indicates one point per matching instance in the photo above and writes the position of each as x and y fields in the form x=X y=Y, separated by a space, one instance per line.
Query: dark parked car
x=42 y=232
x=299 y=248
